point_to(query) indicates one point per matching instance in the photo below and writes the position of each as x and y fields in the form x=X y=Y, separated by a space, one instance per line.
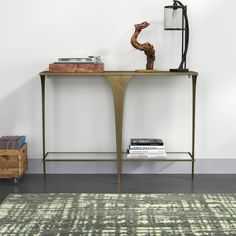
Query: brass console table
x=118 y=81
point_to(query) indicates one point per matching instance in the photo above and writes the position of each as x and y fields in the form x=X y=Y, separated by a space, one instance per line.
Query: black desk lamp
x=176 y=19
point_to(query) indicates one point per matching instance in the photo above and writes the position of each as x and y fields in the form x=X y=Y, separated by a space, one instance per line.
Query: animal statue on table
x=146 y=47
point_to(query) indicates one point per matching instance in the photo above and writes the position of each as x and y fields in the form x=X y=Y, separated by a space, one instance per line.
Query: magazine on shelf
x=147 y=151
x=146 y=146
x=146 y=156
x=146 y=141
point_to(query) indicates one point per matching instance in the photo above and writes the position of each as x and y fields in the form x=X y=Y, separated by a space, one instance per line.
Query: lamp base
x=179 y=70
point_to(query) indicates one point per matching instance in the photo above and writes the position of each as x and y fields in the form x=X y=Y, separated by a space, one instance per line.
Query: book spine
x=146 y=146
x=148 y=151
x=21 y=142
x=145 y=156
x=146 y=141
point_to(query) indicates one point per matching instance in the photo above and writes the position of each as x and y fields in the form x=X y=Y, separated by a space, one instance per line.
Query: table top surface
x=121 y=73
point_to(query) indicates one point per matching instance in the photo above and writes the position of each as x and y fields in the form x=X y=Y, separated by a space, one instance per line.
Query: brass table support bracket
x=118 y=84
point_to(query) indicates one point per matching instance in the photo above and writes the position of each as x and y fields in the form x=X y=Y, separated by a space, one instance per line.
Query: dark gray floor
x=130 y=184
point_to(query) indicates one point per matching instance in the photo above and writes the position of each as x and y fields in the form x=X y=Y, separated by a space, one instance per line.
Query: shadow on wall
x=211 y=48
x=19 y=113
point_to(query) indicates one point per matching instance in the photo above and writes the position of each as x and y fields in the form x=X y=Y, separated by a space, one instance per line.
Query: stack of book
x=146 y=148
x=12 y=142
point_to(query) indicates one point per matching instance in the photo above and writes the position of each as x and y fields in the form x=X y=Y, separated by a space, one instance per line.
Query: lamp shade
x=173 y=18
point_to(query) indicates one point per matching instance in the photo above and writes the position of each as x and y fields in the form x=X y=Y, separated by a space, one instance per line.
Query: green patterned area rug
x=118 y=214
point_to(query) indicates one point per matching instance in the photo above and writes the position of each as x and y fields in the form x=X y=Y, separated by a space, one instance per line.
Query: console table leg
x=44 y=167
x=43 y=120
x=194 y=82
x=192 y=170
x=118 y=84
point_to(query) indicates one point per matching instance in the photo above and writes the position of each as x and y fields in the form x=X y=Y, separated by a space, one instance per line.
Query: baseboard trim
x=202 y=166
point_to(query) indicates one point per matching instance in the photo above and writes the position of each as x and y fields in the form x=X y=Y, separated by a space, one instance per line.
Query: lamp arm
x=180 y=3
x=186 y=32
x=186 y=39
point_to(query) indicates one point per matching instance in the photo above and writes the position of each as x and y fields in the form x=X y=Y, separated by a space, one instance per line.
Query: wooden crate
x=13 y=163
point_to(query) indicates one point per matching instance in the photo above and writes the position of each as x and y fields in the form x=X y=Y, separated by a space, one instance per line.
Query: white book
x=145 y=156
x=147 y=151
x=146 y=147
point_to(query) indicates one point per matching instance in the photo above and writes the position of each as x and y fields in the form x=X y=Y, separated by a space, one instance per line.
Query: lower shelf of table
x=111 y=156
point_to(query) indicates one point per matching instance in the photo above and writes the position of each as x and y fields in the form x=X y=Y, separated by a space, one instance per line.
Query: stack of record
x=12 y=142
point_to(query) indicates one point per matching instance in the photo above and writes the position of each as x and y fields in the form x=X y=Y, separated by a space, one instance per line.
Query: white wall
x=80 y=114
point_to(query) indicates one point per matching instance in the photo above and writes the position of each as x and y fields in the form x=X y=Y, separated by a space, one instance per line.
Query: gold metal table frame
x=118 y=81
